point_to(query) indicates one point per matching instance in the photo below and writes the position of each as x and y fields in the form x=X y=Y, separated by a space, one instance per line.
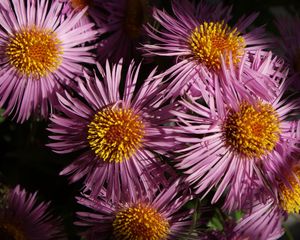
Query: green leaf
x=1 y=115
x=238 y=215
x=215 y=223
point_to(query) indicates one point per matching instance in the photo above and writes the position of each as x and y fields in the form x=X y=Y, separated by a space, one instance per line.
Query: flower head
x=198 y=37
x=37 y=55
x=120 y=134
x=210 y=40
x=263 y=216
x=288 y=191
x=142 y=220
x=155 y=217
x=252 y=130
x=21 y=218
x=236 y=140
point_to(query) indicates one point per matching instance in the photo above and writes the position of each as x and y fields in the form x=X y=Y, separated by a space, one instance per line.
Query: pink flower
x=264 y=216
x=147 y=217
x=119 y=133
x=21 y=217
x=236 y=141
x=196 y=36
x=39 y=55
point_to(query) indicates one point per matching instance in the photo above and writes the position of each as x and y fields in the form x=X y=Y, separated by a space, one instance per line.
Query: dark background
x=25 y=159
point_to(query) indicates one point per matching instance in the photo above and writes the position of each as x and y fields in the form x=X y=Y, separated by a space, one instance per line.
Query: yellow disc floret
x=34 y=52
x=210 y=40
x=115 y=134
x=10 y=231
x=140 y=222
x=252 y=131
x=290 y=195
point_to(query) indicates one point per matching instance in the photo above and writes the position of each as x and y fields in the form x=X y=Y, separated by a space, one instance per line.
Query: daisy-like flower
x=124 y=28
x=197 y=36
x=119 y=134
x=39 y=54
x=22 y=218
x=264 y=219
x=148 y=218
x=288 y=192
x=235 y=139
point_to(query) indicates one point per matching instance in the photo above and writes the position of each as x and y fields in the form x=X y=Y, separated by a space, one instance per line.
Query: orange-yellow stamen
x=11 y=232
x=136 y=14
x=140 y=222
x=34 y=52
x=80 y=4
x=290 y=195
x=210 y=40
x=252 y=131
x=115 y=134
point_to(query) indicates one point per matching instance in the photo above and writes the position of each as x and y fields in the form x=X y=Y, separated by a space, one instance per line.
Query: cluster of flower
x=214 y=122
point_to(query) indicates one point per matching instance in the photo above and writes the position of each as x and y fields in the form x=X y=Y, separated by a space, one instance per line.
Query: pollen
x=115 y=134
x=34 y=52
x=290 y=195
x=9 y=231
x=253 y=130
x=140 y=222
x=80 y=4
x=210 y=40
x=136 y=14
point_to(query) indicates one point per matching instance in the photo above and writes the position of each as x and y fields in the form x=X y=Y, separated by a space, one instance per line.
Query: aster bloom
x=197 y=36
x=266 y=218
x=118 y=134
x=124 y=29
x=147 y=217
x=263 y=217
x=235 y=140
x=39 y=54
x=22 y=218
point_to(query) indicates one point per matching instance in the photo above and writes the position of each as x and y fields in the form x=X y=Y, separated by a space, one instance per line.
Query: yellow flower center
x=80 y=4
x=290 y=197
x=252 y=131
x=34 y=52
x=140 y=222
x=211 y=40
x=135 y=15
x=9 y=231
x=115 y=134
